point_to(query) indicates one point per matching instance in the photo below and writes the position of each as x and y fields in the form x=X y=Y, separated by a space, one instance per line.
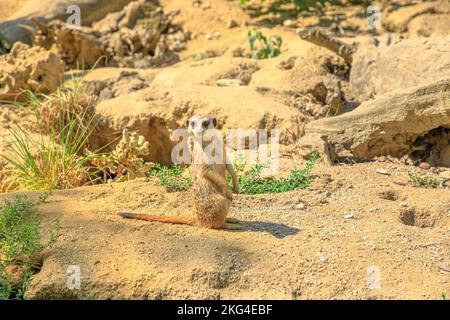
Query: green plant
x=424 y=181
x=20 y=245
x=174 y=179
x=263 y=47
x=56 y=158
x=444 y=296
x=238 y=166
x=125 y=162
x=252 y=182
x=67 y=104
x=53 y=162
x=239 y=162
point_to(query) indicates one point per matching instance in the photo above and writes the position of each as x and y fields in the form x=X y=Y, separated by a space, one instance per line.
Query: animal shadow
x=278 y=230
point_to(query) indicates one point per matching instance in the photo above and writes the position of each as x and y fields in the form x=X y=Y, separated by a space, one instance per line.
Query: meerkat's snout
x=202 y=128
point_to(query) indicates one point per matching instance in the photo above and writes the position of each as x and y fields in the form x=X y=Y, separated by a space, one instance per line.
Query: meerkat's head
x=198 y=124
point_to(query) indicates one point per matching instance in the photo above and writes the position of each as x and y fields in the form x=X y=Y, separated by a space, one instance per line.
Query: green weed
x=251 y=181
x=174 y=179
x=20 y=245
x=263 y=47
x=424 y=181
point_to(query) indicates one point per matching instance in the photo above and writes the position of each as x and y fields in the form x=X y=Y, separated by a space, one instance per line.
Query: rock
x=445 y=174
x=228 y=82
x=77 y=47
x=316 y=143
x=162 y=100
x=318 y=82
x=444 y=156
x=301 y=206
x=389 y=125
x=20 y=28
x=378 y=70
x=115 y=82
x=212 y=36
x=136 y=37
x=424 y=165
x=383 y=172
x=430 y=25
x=290 y=23
x=26 y=68
x=349 y=216
x=232 y=24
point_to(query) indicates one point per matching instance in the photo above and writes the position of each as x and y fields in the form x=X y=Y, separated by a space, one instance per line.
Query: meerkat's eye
x=192 y=124
x=205 y=124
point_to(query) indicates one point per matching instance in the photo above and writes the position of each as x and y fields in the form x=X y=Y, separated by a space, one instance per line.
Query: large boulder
x=415 y=120
x=19 y=27
x=140 y=35
x=397 y=64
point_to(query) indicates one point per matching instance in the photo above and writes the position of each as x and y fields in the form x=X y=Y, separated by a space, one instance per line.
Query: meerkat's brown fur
x=212 y=196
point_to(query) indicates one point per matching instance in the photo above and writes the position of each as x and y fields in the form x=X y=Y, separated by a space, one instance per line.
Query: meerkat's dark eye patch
x=193 y=124
x=205 y=124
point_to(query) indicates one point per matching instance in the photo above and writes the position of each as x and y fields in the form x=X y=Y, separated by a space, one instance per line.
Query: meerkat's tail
x=165 y=219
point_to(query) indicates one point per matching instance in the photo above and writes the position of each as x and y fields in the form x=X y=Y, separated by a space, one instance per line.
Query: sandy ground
x=324 y=242
x=8 y=8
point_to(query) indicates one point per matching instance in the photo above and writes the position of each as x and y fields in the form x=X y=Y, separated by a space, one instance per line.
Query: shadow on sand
x=278 y=230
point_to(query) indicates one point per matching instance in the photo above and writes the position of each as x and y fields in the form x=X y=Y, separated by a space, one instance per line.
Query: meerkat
x=212 y=195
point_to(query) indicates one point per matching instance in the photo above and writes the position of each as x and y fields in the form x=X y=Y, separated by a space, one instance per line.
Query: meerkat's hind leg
x=232 y=220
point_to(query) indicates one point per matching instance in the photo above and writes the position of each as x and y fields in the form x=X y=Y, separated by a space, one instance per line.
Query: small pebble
x=228 y=82
x=232 y=24
x=384 y=172
x=424 y=165
x=290 y=23
x=348 y=216
x=301 y=206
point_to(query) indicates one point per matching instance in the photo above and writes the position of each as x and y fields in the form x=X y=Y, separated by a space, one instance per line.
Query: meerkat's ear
x=214 y=121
